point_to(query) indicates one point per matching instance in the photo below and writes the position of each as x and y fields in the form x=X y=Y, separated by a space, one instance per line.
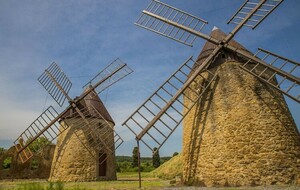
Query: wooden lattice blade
x=159 y=116
x=93 y=126
x=253 y=12
x=56 y=83
x=40 y=133
x=111 y=74
x=277 y=71
x=171 y=22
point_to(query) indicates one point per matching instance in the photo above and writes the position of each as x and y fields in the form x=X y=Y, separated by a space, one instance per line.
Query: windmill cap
x=93 y=104
x=208 y=47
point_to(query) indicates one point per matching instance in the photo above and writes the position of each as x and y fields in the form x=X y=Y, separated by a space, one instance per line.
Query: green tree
x=7 y=163
x=38 y=144
x=2 y=150
x=175 y=154
x=155 y=158
x=135 y=153
x=34 y=164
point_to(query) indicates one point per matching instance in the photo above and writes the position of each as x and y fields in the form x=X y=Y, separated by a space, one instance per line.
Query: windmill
x=194 y=86
x=85 y=118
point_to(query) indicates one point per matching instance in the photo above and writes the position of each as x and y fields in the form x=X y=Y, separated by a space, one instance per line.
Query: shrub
x=34 y=164
x=51 y=186
x=59 y=185
x=7 y=163
x=2 y=150
x=175 y=154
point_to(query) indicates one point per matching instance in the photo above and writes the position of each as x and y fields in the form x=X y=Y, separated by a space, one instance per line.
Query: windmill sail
x=111 y=74
x=158 y=16
x=267 y=66
x=47 y=126
x=94 y=121
x=56 y=83
x=254 y=12
x=177 y=24
x=159 y=116
x=42 y=131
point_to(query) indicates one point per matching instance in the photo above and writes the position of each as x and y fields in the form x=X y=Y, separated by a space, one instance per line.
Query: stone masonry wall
x=240 y=133
x=73 y=162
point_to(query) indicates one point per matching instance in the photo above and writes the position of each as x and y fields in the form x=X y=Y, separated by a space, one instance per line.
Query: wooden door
x=102 y=164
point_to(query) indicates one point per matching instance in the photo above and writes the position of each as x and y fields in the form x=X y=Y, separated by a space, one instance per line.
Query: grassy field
x=125 y=181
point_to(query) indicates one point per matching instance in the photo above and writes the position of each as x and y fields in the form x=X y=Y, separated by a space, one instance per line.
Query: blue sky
x=84 y=36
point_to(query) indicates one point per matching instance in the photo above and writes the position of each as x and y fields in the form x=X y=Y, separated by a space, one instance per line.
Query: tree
x=155 y=158
x=175 y=154
x=135 y=153
x=2 y=150
x=7 y=163
x=38 y=144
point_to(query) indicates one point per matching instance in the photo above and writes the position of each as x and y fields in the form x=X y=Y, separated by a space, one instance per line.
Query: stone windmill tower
x=237 y=127
x=241 y=131
x=86 y=137
x=71 y=161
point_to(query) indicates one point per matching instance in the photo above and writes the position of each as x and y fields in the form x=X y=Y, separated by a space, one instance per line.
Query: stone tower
x=71 y=160
x=241 y=132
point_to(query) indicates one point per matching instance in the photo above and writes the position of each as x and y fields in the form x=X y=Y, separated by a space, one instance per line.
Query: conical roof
x=209 y=47
x=90 y=103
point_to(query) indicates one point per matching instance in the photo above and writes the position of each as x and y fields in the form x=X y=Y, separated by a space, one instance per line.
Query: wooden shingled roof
x=209 y=47
x=90 y=102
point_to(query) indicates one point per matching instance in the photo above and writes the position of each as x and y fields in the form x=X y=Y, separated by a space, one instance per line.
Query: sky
x=82 y=37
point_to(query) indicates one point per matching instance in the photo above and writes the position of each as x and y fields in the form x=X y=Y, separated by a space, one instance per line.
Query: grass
x=134 y=175
x=43 y=185
x=126 y=181
x=171 y=169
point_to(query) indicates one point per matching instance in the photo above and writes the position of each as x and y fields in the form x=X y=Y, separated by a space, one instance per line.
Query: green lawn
x=125 y=181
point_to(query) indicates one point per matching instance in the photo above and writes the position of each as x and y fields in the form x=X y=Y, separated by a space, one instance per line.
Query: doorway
x=102 y=164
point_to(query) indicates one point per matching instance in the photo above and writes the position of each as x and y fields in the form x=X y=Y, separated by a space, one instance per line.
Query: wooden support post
x=14 y=166
x=139 y=163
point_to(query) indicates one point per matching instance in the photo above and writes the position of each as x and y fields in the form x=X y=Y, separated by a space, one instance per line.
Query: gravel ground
x=235 y=188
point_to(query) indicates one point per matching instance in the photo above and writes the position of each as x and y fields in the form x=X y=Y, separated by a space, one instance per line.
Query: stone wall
x=240 y=133
x=73 y=162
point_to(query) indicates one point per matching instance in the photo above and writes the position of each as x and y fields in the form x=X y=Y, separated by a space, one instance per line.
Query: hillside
x=170 y=169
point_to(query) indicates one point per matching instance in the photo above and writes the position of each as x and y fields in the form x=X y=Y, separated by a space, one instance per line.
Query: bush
x=59 y=185
x=7 y=163
x=2 y=150
x=38 y=144
x=51 y=186
x=34 y=164
x=55 y=186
